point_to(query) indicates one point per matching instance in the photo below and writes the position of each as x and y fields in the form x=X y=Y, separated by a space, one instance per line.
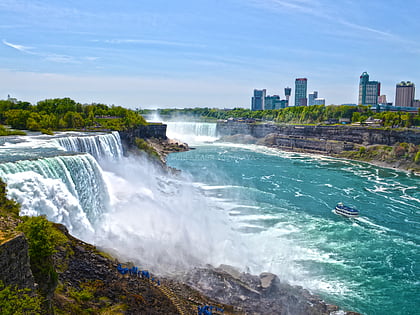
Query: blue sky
x=156 y=53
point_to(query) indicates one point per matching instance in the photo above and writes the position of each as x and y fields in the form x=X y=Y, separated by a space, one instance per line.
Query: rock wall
x=305 y=144
x=353 y=134
x=128 y=137
x=14 y=263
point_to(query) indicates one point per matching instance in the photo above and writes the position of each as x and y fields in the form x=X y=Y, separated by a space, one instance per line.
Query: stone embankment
x=354 y=134
x=155 y=136
x=128 y=137
x=15 y=268
x=323 y=139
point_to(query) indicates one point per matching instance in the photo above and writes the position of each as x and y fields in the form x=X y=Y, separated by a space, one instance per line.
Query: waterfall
x=68 y=189
x=192 y=132
x=126 y=205
x=103 y=146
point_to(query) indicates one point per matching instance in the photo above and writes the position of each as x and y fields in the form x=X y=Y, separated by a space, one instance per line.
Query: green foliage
x=84 y=295
x=142 y=145
x=6 y=132
x=47 y=132
x=417 y=158
x=41 y=237
x=7 y=206
x=55 y=114
x=316 y=114
x=14 y=301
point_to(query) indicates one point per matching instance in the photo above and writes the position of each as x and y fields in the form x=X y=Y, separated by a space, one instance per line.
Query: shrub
x=399 y=151
x=142 y=145
x=16 y=301
x=417 y=158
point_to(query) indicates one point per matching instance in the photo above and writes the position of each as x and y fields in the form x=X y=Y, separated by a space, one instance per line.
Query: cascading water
x=68 y=189
x=192 y=132
x=126 y=205
x=106 y=146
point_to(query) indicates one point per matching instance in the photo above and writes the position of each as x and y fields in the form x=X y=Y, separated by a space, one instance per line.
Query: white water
x=125 y=205
x=192 y=132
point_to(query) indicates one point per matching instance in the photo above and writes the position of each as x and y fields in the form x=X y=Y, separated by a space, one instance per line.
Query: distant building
x=312 y=97
x=389 y=108
x=319 y=101
x=287 y=93
x=404 y=94
x=416 y=103
x=12 y=99
x=274 y=102
x=368 y=90
x=300 y=92
x=271 y=102
x=258 y=100
x=382 y=99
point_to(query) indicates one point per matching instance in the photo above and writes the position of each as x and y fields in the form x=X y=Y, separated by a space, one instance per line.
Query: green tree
x=17 y=118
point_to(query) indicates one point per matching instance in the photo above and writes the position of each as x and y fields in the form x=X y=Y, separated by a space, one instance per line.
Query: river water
x=256 y=208
x=281 y=204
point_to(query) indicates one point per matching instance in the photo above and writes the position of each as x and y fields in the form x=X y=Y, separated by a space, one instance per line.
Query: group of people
x=208 y=310
x=136 y=272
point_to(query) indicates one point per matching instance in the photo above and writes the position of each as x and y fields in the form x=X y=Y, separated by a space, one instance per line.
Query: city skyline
x=207 y=53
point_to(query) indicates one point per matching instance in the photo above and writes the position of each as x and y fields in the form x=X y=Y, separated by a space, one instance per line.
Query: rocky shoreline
x=89 y=279
x=385 y=148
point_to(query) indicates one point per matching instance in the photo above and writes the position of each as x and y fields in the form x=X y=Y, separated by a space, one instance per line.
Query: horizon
x=203 y=54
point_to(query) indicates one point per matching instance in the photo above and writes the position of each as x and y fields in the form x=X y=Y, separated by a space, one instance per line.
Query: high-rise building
x=368 y=90
x=287 y=93
x=258 y=100
x=382 y=99
x=271 y=102
x=312 y=97
x=404 y=94
x=319 y=101
x=300 y=91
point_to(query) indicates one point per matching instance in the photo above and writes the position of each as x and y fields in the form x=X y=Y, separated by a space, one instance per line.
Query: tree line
x=316 y=114
x=66 y=114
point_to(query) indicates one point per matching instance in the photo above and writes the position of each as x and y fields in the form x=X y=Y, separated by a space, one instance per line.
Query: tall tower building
x=287 y=93
x=404 y=94
x=312 y=97
x=368 y=90
x=300 y=92
x=258 y=100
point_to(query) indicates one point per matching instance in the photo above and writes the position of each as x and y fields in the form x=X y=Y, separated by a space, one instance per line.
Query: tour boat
x=346 y=211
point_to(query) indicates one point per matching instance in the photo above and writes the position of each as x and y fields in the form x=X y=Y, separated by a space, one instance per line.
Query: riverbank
x=87 y=278
x=399 y=149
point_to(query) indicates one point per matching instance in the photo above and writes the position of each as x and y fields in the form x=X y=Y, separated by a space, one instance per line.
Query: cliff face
x=14 y=263
x=384 y=147
x=358 y=135
x=128 y=137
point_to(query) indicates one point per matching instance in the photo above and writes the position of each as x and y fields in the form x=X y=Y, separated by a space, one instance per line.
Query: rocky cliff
x=128 y=137
x=15 y=268
x=353 y=134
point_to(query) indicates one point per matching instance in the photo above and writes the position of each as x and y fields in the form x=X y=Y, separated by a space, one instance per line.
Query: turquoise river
x=282 y=203
x=256 y=208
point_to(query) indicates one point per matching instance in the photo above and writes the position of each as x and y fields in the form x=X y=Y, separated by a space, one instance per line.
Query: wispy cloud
x=151 y=42
x=320 y=10
x=58 y=58
x=61 y=58
x=21 y=48
x=309 y=7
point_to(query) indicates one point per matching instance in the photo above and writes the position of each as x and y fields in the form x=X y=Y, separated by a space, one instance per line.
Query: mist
x=163 y=221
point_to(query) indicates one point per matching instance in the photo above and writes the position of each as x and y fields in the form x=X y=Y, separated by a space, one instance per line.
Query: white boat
x=346 y=211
